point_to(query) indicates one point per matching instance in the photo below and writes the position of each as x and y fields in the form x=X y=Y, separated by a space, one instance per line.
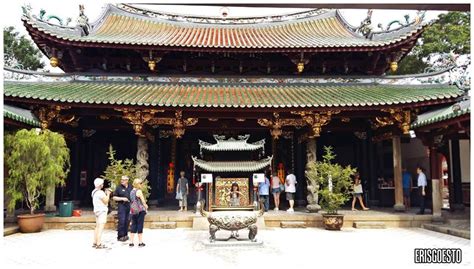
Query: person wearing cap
x=100 y=200
x=122 y=197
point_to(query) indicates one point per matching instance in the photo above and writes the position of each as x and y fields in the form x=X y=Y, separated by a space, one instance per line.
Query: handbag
x=282 y=187
x=179 y=196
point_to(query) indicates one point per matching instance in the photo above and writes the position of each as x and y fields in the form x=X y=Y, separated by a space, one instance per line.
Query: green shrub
x=334 y=181
x=118 y=168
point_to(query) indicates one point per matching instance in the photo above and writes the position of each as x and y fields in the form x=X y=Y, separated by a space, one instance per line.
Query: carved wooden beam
x=401 y=118
x=46 y=114
x=138 y=118
x=179 y=124
x=316 y=120
x=277 y=123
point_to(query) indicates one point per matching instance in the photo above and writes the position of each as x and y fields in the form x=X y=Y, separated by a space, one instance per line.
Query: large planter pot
x=31 y=223
x=333 y=221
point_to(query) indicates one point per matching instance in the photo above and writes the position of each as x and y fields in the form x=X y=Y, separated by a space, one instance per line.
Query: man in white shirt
x=100 y=200
x=421 y=183
x=290 y=189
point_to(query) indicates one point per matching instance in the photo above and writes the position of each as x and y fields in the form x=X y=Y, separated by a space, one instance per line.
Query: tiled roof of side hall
x=20 y=115
x=233 y=166
x=228 y=95
x=120 y=26
x=446 y=113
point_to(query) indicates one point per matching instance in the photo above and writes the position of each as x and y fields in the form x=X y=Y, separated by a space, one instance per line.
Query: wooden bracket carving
x=138 y=118
x=401 y=118
x=316 y=120
x=179 y=124
x=277 y=123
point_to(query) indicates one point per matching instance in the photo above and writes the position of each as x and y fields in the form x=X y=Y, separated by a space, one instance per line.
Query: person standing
x=138 y=210
x=290 y=189
x=407 y=184
x=358 y=192
x=276 y=190
x=421 y=183
x=122 y=197
x=100 y=200
x=183 y=188
x=263 y=192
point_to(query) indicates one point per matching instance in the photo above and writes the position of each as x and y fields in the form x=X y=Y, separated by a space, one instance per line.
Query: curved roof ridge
x=147 y=13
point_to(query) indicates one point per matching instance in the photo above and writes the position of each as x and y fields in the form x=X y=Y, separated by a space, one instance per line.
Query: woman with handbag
x=138 y=210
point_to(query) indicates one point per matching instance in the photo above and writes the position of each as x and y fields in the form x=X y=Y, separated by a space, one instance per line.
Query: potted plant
x=334 y=183
x=35 y=160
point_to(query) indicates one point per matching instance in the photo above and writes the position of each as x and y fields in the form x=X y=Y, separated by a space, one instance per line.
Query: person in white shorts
x=100 y=200
x=290 y=189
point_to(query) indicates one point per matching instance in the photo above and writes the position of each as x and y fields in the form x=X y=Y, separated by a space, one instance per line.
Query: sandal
x=141 y=244
x=101 y=246
x=94 y=245
x=131 y=245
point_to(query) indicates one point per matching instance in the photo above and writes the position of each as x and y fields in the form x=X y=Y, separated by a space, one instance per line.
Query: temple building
x=159 y=87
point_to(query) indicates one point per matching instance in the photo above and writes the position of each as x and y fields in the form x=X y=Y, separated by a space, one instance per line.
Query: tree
x=449 y=34
x=20 y=52
x=35 y=161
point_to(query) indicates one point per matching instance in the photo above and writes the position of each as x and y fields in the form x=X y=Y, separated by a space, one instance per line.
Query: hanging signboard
x=206 y=178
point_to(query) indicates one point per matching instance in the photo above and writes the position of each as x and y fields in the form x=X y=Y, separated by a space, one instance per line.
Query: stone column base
x=399 y=207
x=313 y=208
x=50 y=208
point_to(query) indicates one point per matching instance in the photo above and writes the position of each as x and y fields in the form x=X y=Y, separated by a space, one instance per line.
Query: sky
x=11 y=12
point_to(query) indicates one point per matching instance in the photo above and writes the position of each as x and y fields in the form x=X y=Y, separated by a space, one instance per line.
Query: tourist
x=122 y=197
x=421 y=189
x=183 y=189
x=290 y=189
x=138 y=210
x=357 y=193
x=234 y=195
x=276 y=190
x=100 y=200
x=407 y=184
x=263 y=192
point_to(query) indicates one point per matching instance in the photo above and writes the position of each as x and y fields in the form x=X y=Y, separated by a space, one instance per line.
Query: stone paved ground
x=284 y=248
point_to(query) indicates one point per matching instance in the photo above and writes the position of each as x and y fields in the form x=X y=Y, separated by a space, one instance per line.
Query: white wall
x=413 y=154
x=464 y=151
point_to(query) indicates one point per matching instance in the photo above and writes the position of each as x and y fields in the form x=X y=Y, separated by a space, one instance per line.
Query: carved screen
x=223 y=188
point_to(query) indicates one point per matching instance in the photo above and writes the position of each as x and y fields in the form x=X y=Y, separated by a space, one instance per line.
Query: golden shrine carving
x=138 y=118
x=179 y=124
x=401 y=118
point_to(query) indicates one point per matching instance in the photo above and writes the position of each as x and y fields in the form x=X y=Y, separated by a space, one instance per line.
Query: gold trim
x=316 y=120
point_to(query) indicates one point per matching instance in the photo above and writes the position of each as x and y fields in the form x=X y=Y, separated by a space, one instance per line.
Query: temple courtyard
x=187 y=248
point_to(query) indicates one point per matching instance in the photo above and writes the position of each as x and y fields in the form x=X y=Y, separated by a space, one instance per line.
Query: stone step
x=293 y=224
x=447 y=230
x=457 y=221
x=369 y=225
x=163 y=225
x=10 y=230
x=80 y=226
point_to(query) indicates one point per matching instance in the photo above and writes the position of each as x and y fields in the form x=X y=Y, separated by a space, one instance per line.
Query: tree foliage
x=118 y=168
x=334 y=181
x=20 y=52
x=449 y=34
x=34 y=162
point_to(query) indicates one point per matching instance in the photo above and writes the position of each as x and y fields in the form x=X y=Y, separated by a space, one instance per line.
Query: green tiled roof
x=118 y=26
x=20 y=115
x=228 y=95
x=442 y=114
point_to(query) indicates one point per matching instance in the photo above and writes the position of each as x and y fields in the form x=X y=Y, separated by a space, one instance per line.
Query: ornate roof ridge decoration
x=315 y=30
x=435 y=77
x=192 y=96
x=232 y=166
x=20 y=115
x=455 y=110
x=218 y=20
x=232 y=144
